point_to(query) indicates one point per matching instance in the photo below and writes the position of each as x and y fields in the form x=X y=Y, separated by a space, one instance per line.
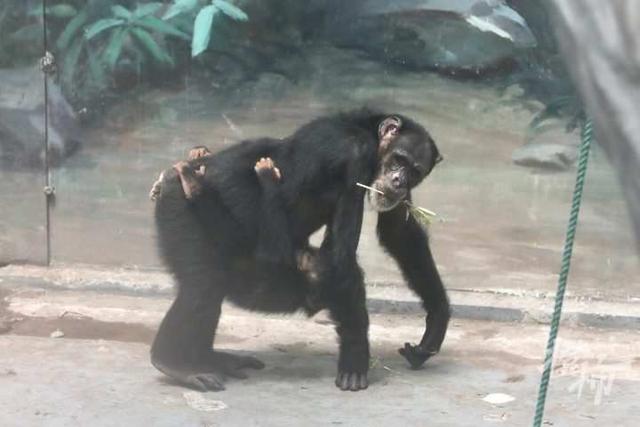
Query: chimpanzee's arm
x=342 y=287
x=408 y=244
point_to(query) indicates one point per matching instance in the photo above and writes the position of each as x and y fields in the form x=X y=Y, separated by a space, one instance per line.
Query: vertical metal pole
x=47 y=171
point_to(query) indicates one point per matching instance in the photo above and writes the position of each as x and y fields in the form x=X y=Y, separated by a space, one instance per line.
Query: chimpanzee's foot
x=352 y=381
x=211 y=373
x=231 y=364
x=416 y=355
x=267 y=170
x=190 y=184
x=201 y=378
x=308 y=262
x=198 y=152
x=353 y=365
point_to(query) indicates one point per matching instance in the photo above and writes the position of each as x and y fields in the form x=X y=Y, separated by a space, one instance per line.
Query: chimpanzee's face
x=407 y=155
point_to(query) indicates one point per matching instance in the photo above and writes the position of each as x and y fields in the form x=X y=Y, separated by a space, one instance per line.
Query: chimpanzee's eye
x=397 y=161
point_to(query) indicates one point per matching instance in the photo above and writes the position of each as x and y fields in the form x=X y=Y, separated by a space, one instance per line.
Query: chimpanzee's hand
x=416 y=355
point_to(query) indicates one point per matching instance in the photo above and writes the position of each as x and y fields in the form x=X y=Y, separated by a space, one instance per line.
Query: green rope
x=587 y=137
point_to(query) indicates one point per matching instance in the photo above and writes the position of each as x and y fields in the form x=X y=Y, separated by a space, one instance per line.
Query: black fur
x=239 y=239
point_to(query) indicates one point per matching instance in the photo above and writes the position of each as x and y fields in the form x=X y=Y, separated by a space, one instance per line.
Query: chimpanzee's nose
x=397 y=180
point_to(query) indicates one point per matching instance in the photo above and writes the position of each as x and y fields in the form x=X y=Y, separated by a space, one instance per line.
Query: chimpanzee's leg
x=189 y=178
x=182 y=348
x=347 y=307
x=189 y=174
x=275 y=242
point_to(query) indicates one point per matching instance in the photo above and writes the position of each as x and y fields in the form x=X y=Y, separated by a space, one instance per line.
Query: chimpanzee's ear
x=389 y=127
x=387 y=130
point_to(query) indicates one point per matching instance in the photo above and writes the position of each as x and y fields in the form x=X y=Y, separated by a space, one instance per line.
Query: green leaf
x=178 y=7
x=146 y=9
x=423 y=216
x=202 y=30
x=154 y=24
x=57 y=11
x=183 y=23
x=121 y=12
x=71 y=29
x=114 y=47
x=139 y=57
x=232 y=11
x=101 y=25
x=151 y=46
x=97 y=72
x=70 y=61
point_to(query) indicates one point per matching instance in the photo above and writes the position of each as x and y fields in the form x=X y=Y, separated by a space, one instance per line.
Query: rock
x=22 y=120
x=513 y=91
x=456 y=37
x=555 y=157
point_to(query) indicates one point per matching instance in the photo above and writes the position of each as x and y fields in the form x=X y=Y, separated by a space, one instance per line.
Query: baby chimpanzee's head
x=406 y=154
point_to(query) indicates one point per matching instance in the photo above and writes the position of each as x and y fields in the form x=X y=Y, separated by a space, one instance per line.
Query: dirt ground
x=72 y=358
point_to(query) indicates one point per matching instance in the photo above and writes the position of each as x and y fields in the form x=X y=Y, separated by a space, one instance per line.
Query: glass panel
x=489 y=86
x=22 y=139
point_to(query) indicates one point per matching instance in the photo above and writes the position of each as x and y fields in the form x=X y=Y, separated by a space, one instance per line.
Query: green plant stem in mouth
x=375 y=190
x=422 y=215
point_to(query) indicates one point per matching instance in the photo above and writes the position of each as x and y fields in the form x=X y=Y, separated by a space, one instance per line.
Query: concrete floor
x=98 y=373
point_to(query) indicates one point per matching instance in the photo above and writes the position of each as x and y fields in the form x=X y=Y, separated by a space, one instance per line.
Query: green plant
x=20 y=34
x=99 y=40
x=203 y=22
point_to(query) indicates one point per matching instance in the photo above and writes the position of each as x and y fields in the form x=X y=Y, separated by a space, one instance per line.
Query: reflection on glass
x=138 y=83
x=22 y=136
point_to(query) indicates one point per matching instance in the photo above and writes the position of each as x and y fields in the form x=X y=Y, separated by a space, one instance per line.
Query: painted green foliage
x=203 y=23
x=93 y=36
x=102 y=39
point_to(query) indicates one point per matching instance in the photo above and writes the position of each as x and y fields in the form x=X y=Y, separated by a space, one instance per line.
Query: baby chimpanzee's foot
x=198 y=152
x=267 y=170
x=190 y=184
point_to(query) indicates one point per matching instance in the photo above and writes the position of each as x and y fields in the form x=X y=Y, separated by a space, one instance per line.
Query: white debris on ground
x=198 y=402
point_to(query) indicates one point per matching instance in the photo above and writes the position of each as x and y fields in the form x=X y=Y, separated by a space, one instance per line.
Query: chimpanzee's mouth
x=386 y=201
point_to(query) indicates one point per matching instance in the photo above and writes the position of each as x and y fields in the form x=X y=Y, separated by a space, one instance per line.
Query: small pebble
x=57 y=334
x=498 y=398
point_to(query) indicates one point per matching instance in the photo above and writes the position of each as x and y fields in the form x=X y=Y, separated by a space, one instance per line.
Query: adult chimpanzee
x=239 y=238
